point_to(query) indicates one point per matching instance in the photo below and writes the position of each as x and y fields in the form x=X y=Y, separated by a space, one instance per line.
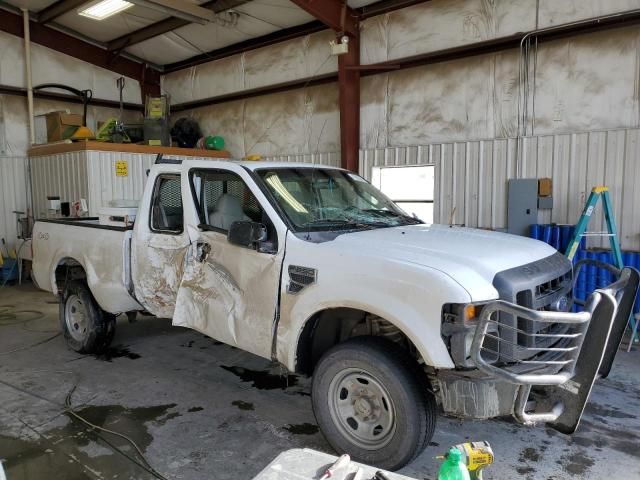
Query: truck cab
x=314 y=268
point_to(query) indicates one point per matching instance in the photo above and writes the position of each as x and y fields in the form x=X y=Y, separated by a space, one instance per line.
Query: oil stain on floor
x=243 y=405
x=302 y=429
x=76 y=452
x=119 y=351
x=263 y=379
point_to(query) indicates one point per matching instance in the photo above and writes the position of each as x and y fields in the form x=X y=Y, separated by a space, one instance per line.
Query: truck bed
x=103 y=252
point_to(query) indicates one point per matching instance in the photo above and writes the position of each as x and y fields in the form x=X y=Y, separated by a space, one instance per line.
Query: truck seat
x=227 y=210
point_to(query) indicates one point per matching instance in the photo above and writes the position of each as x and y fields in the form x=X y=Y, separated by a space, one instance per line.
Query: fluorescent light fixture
x=104 y=8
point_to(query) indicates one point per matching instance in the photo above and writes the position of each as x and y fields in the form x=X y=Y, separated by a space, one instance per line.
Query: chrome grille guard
x=547 y=365
x=562 y=375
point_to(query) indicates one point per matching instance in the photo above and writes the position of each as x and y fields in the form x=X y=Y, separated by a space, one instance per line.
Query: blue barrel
x=534 y=231
x=609 y=259
x=582 y=276
x=602 y=277
x=555 y=237
x=565 y=236
x=591 y=271
x=546 y=234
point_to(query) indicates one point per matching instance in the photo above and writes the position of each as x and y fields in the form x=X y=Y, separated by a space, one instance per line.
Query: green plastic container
x=214 y=142
x=453 y=467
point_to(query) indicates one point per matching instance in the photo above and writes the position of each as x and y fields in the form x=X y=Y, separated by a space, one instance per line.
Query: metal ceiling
x=160 y=39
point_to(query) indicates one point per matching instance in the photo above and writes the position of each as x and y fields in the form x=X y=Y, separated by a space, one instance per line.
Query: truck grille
x=544 y=285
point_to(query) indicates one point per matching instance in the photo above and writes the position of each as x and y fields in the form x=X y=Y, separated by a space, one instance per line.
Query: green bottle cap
x=454 y=455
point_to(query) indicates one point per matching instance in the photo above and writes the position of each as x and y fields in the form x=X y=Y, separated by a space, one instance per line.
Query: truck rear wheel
x=86 y=327
x=370 y=402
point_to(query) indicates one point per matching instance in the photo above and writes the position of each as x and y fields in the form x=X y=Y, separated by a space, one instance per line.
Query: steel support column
x=349 y=85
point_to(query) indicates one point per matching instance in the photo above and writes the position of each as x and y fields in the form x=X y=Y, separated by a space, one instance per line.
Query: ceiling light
x=102 y=9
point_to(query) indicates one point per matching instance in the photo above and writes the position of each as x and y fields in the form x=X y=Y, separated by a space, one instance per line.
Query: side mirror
x=247 y=233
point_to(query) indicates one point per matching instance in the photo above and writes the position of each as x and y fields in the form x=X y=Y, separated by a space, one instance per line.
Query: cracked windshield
x=327 y=199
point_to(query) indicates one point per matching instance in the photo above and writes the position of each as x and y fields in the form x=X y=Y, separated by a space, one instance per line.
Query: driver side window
x=224 y=198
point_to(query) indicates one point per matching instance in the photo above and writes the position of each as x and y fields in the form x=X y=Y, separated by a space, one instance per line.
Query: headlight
x=461 y=313
x=459 y=321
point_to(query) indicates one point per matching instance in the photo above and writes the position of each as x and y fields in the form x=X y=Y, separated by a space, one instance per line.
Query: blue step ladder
x=580 y=231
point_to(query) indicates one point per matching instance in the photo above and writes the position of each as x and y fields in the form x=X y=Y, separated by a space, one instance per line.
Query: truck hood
x=472 y=257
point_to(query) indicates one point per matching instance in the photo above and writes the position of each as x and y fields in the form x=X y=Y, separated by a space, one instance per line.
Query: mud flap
x=574 y=393
x=626 y=297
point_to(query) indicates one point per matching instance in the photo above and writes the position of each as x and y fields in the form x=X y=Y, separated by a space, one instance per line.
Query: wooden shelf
x=64 y=147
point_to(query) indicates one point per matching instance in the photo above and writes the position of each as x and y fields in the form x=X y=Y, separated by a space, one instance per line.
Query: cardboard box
x=545 y=187
x=62 y=125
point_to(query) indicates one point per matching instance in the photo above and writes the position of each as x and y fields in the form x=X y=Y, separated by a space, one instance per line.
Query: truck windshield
x=331 y=199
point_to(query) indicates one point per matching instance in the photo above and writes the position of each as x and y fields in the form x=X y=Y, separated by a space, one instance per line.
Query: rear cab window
x=167 y=214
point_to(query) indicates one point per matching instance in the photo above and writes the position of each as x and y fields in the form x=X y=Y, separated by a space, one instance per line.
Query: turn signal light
x=470 y=312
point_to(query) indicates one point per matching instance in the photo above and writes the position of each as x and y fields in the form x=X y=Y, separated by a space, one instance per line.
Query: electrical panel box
x=522 y=205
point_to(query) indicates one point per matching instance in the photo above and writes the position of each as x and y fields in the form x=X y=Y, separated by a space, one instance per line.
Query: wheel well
x=67 y=270
x=335 y=325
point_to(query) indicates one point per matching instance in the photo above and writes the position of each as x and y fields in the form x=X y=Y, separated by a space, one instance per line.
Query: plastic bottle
x=453 y=467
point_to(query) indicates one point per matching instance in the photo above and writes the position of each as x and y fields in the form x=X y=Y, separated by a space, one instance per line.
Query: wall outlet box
x=545 y=203
x=339 y=48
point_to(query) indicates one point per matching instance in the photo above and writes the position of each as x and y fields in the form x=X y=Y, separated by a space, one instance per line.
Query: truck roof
x=254 y=165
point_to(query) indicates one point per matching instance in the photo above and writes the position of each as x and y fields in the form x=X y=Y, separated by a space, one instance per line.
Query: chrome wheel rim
x=362 y=409
x=76 y=318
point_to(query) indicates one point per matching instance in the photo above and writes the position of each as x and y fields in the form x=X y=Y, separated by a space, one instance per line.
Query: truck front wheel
x=86 y=327
x=370 y=402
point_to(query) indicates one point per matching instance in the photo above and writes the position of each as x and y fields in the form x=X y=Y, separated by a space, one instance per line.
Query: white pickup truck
x=314 y=268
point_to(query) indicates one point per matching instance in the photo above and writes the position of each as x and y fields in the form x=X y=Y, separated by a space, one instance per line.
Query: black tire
x=95 y=331
x=404 y=392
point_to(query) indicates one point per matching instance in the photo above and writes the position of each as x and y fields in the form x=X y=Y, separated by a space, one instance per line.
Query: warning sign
x=122 y=168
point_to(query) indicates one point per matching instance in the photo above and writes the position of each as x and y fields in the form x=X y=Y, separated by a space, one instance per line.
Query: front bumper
x=544 y=383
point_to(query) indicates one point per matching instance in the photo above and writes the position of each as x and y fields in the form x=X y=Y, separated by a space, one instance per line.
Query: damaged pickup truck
x=314 y=268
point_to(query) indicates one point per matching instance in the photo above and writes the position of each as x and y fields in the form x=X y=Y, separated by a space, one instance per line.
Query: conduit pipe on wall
x=27 y=62
x=523 y=73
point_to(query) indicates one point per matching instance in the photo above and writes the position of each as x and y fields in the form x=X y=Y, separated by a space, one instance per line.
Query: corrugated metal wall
x=330 y=158
x=471 y=177
x=63 y=175
x=90 y=175
x=13 y=195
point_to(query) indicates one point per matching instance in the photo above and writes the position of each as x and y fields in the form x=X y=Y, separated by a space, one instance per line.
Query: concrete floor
x=200 y=409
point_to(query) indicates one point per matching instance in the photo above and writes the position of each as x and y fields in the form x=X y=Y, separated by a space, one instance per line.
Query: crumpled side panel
x=158 y=278
x=230 y=295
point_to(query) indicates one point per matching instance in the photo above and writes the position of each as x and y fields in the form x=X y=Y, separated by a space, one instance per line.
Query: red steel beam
x=57 y=9
x=349 y=98
x=149 y=78
x=333 y=13
x=167 y=25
